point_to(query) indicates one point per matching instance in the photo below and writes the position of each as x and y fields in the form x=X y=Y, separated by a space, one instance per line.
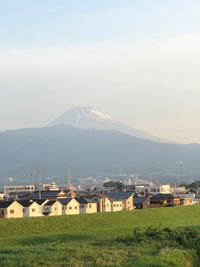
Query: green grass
x=90 y=240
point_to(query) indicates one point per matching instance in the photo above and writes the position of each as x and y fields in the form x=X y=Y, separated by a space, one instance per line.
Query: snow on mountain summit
x=100 y=114
x=90 y=118
x=80 y=117
x=89 y=112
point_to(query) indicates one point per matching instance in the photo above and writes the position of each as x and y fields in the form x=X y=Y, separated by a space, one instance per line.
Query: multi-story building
x=12 y=191
x=153 y=189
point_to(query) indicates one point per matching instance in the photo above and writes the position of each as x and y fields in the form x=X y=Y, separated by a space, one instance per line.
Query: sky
x=136 y=60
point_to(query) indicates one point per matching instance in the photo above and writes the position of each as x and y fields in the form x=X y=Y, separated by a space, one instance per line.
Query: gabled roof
x=40 y=201
x=25 y=203
x=101 y=196
x=84 y=200
x=50 y=202
x=191 y=191
x=6 y=204
x=65 y=201
x=119 y=195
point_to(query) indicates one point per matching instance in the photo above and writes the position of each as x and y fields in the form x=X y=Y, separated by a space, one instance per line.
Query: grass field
x=93 y=240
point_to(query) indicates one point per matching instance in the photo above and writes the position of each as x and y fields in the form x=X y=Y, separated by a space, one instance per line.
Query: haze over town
x=137 y=61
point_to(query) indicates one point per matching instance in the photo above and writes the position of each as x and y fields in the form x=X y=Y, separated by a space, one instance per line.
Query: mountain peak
x=88 y=112
x=81 y=116
x=87 y=117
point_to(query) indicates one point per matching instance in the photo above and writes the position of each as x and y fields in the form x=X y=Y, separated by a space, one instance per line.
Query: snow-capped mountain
x=90 y=118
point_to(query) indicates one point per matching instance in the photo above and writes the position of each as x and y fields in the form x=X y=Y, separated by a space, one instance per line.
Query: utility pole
x=68 y=178
x=5 y=188
x=31 y=176
x=39 y=179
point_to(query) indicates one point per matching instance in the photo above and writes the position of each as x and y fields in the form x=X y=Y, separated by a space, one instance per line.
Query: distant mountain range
x=90 y=118
x=90 y=152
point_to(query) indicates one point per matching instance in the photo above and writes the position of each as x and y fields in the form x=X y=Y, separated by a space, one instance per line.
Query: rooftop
x=119 y=195
x=84 y=200
x=5 y=204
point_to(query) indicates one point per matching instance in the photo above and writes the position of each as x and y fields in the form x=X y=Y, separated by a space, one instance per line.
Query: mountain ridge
x=91 y=152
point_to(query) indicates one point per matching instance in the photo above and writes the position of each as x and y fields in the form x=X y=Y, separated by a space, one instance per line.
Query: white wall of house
x=15 y=210
x=128 y=204
x=154 y=189
x=71 y=208
x=107 y=205
x=117 y=205
x=88 y=208
x=34 y=210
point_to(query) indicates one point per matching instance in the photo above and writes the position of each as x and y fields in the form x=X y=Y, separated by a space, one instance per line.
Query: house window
x=107 y=205
x=12 y=211
x=70 y=208
x=75 y=207
x=117 y=205
x=82 y=206
x=24 y=210
x=33 y=210
x=114 y=205
x=55 y=208
x=90 y=206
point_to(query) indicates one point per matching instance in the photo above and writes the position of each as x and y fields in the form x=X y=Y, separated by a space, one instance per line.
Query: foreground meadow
x=162 y=237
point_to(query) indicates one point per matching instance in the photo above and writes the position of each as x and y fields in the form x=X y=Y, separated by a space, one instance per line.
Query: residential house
x=125 y=197
x=187 y=199
x=87 y=205
x=30 y=208
x=164 y=200
x=11 y=209
x=70 y=206
x=52 y=208
x=104 y=203
x=153 y=189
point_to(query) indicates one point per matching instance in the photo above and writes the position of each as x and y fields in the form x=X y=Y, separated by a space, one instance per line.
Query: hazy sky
x=136 y=60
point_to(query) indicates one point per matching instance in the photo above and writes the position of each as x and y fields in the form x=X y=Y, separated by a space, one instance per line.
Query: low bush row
x=186 y=238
